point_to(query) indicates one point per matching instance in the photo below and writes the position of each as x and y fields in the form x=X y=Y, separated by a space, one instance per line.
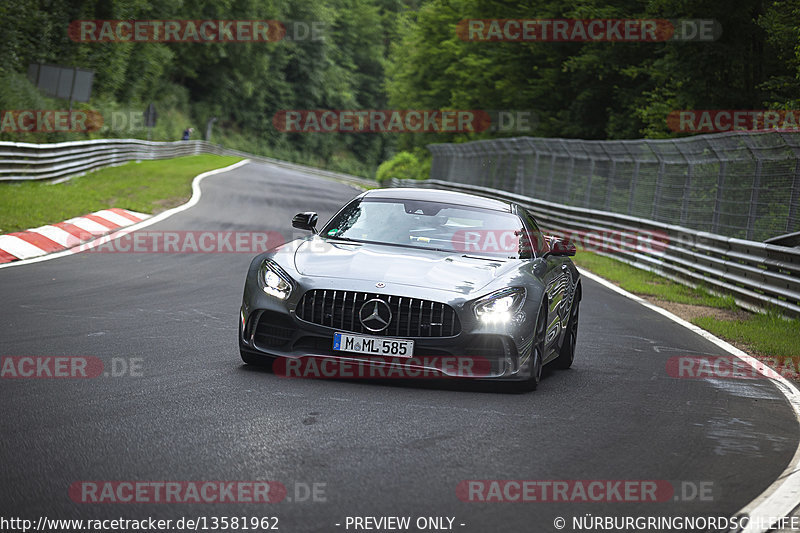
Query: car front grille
x=411 y=317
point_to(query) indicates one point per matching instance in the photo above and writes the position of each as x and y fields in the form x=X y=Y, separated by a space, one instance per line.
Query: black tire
x=566 y=354
x=537 y=350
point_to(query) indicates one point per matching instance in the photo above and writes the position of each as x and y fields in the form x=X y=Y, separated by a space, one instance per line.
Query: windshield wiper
x=487 y=258
x=339 y=238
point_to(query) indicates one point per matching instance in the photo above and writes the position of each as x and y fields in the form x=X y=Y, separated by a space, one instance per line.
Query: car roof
x=437 y=195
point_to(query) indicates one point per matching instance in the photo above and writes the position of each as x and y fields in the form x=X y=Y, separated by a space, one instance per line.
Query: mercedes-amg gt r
x=416 y=282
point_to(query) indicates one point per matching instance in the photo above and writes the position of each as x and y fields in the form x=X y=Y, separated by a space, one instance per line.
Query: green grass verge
x=767 y=334
x=646 y=283
x=146 y=187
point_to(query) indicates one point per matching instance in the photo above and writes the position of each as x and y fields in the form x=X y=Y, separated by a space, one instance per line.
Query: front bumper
x=272 y=328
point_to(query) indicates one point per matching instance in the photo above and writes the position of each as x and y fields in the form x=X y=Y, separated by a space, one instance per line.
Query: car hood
x=454 y=272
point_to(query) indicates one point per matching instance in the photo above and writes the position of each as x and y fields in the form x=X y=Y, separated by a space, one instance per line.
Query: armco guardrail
x=55 y=161
x=758 y=275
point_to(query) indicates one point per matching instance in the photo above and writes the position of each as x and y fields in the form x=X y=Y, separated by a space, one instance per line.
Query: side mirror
x=306 y=221
x=561 y=247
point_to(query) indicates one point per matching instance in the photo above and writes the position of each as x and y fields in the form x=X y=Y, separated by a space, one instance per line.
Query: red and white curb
x=64 y=235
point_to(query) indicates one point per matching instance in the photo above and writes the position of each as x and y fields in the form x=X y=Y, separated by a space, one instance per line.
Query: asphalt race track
x=377 y=448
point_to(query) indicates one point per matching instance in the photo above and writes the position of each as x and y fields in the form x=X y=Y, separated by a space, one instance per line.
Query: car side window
x=540 y=244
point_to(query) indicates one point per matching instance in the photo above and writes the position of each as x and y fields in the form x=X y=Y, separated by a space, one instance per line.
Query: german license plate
x=365 y=344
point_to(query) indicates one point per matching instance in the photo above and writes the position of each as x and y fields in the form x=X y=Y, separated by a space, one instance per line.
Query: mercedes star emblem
x=375 y=315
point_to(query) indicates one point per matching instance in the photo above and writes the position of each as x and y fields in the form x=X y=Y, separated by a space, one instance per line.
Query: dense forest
x=401 y=54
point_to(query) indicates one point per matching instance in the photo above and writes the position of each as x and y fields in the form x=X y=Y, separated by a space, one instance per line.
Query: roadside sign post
x=209 y=125
x=150 y=118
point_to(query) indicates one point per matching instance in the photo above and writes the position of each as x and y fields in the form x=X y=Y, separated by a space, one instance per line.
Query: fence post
x=751 y=218
x=509 y=173
x=794 y=198
x=794 y=193
x=535 y=173
x=657 y=193
x=687 y=185
x=611 y=174
x=753 y=209
x=723 y=167
x=551 y=176
x=519 y=174
x=570 y=172
x=632 y=188
x=587 y=201
x=474 y=163
x=635 y=178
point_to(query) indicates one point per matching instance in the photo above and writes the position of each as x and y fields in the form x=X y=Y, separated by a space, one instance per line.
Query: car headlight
x=274 y=281
x=500 y=306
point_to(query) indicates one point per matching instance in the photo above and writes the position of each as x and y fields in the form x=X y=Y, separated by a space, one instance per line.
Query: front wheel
x=537 y=350
x=567 y=353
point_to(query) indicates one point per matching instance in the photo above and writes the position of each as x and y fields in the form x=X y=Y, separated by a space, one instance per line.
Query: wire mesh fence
x=736 y=184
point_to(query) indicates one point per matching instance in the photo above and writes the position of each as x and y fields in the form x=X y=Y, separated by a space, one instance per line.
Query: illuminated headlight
x=500 y=306
x=274 y=281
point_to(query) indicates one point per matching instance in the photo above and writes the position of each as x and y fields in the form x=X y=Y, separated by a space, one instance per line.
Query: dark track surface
x=381 y=448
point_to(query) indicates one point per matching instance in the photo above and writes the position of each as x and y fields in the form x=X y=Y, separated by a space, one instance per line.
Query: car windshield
x=430 y=225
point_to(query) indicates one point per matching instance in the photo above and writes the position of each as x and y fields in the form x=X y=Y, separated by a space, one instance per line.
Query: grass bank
x=146 y=187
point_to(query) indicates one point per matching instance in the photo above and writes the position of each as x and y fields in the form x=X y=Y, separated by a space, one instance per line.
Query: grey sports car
x=414 y=283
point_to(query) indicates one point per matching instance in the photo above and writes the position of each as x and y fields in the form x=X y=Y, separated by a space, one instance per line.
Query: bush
x=404 y=165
